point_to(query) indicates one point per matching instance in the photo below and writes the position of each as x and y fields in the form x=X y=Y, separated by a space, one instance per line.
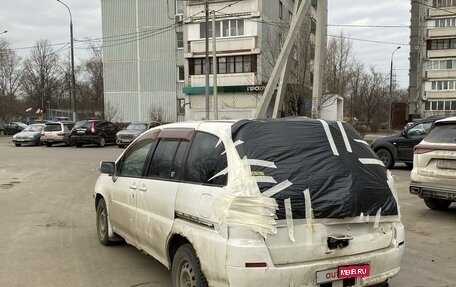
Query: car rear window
x=442 y=133
x=52 y=128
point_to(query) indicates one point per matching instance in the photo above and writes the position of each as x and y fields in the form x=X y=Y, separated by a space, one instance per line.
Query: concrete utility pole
x=206 y=65
x=320 y=48
x=391 y=89
x=73 y=80
x=282 y=59
x=214 y=59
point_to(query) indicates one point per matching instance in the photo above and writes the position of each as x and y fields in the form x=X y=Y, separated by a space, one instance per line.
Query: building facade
x=154 y=56
x=432 y=86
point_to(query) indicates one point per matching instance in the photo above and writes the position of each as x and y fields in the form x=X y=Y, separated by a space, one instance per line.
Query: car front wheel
x=186 y=268
x=102 y=223
x=386 y=157
x=436 y=203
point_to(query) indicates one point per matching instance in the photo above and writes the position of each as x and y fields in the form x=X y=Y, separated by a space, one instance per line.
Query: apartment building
x=154 y=55
x=432 y=88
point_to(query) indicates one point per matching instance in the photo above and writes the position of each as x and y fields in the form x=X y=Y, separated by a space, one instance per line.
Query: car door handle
x=133 y=186
x=143 y=188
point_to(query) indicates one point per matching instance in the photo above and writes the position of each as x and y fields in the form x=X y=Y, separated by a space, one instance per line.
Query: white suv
x=433 y=176
x=289 y=202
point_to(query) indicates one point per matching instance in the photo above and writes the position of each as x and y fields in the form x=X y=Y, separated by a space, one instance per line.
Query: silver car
x=433 y=177
x=133 y=130
x=56 y=132
x=30 y=135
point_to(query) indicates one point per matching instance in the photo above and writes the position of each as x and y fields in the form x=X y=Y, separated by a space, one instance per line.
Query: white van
x=285 y=202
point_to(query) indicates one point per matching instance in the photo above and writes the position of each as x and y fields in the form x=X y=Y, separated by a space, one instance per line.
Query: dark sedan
x=97 y=132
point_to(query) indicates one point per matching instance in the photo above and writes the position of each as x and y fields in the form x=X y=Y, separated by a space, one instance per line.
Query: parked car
x=97 y=132
x=56 y=132
x=30 y=135
x=433 y=177
x=285 y=202
x=399 y=147
x=133 y=130
x=12 y=128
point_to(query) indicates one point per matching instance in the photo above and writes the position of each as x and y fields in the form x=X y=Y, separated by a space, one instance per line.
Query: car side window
x=206 y=158
x=162 y=159
x=176 y=168
x=132 y=163
x=420 y=129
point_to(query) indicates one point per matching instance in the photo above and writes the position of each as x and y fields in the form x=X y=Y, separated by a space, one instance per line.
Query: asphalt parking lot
x=48 y=237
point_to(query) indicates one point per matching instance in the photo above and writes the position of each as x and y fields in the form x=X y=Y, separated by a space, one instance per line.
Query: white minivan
x=283 y=202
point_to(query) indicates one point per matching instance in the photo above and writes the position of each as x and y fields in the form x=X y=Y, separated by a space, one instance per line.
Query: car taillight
x=42 y=134
x=422 y=149
x=92 y=128
x=60 y=134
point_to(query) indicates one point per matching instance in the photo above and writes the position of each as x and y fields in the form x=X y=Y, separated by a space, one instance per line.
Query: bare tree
x=41 y=80
x=91 y=86
x=10 y=75
x=157 y=114
x=111 y=113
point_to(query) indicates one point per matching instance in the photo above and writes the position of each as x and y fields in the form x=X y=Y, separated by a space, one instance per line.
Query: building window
x=445 y=22
x=180 y=39
x=444 y=3
x=226 y=65
x=179 y=7
x=443 y=85
x=441 y=44
x=181 y=106
x=224 y=28
x=180 y=74
x=280 y=10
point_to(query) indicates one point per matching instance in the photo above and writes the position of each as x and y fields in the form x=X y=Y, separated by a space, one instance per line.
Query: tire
x=186 y=268
x=38 y=143
x=48 y=144
x=409 y=164
x=102 y=223
x=436 y=203
x=18 y=144
x=101 y=142
x=386 y=157
x=78 y=145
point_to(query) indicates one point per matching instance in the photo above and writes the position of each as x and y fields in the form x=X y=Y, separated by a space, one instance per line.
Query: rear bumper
x=384 y=264
x=426 y=191
x=75 y=139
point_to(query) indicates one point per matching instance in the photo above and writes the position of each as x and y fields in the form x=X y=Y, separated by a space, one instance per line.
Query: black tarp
x=340 y=186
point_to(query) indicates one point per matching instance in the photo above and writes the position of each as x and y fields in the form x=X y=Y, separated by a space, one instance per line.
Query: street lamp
x=73 y=81
x=391 y=89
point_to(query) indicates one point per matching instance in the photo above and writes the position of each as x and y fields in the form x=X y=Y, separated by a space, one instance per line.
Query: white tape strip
x=330 y=137
x=308 y=205
x=344 y=136
x=259 y=162
x=289 y=218
x=222 y=172
x=361 y=141
x=238 y=142
x=371 y=161
x=268 y=179
x=377 y=218
x=277 y=188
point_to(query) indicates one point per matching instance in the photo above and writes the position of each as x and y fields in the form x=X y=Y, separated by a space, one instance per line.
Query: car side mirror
x=404 y=133
x=107 y=167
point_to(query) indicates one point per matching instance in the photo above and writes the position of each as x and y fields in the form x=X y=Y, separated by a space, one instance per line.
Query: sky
x=28 y=21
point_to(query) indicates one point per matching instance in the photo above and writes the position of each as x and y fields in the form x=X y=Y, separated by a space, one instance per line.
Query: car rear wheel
x=386 y=157
x=49 y=144
x=101 y=142
x=186 y=268
x=436 y=203
x=18 y=144
x=78 y=145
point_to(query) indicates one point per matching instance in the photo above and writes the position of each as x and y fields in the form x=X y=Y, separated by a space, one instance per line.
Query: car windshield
x=52 y=128
x=137 y=126
x=22 y=125
x=442 y=133
x=34 y=128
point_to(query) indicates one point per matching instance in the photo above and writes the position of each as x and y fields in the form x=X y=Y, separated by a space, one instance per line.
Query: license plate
x=353 y=271
x=342 y=272
x=446 y=164
x=81 y=132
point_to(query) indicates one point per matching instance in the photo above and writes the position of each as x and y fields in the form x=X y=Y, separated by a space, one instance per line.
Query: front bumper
x=426 y=191
x=25 y=141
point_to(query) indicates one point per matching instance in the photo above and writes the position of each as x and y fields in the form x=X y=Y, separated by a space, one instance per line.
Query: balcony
x=225 y=46
x=447 y=53
x=440 y=94
x=441 y=74
x=441 y=32
x=444 y=11
x=240 y=79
